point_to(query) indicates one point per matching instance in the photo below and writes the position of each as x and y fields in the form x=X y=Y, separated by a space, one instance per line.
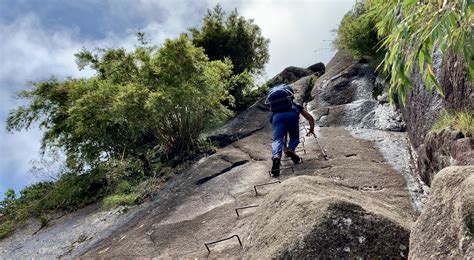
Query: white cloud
x=31 y=53
x=300 y=31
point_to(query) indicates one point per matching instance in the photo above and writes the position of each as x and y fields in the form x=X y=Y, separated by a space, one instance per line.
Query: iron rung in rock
x=284 y=168
x=246 y=207
x=214 y=242
x=264 y=184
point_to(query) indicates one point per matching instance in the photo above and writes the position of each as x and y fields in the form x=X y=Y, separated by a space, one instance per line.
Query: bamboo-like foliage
x=150 y=97
x=412 y=31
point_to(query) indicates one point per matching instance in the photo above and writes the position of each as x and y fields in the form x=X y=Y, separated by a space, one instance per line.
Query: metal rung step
x=246 y=207
x=214 y=242
x=284 y=168
x=264 y=184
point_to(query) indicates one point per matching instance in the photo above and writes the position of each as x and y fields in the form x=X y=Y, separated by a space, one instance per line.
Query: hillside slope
x=353 y=201
x=361 y=202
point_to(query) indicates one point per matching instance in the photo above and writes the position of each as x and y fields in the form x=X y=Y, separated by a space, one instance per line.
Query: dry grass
x=461 y=121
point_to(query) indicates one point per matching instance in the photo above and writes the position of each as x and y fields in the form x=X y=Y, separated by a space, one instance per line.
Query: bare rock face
x=345 y=96
x=458 y=90
x=289 y=75
x=349 y=231
x=423 y=106
x=421 y=110
x=443 y=149
x=354 y=83
x=253 y=119
x=302 y=88
x=313 y=217
x=445 y=229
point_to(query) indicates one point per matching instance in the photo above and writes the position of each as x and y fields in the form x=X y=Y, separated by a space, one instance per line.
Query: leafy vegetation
x=6 y=228
x=124 y=130
x=115 y=200
x=151 y=99
x=461 y=121
x=405 y=34
x=412 y=31
x=357 y=34
x=137 y=101
x=233 y=38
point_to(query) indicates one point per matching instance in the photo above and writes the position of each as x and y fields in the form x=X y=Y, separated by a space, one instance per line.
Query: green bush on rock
x=232 y=38
x=150 y=99
x=357 y=34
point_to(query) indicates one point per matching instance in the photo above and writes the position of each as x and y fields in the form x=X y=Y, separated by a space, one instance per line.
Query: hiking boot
x=276 y=167
x=295 y=158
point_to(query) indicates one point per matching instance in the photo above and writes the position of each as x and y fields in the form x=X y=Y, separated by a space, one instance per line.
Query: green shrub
x=124 y=187
x=357 y=34
x=6 y=228
x=44 y=220
x=137 y=100
x=116 y=200
x=232 y=36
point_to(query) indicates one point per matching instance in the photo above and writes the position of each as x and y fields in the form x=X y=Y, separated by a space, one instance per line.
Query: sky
x=39 y=39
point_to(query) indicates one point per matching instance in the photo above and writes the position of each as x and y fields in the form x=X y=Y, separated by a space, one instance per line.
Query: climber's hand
x=310 y=132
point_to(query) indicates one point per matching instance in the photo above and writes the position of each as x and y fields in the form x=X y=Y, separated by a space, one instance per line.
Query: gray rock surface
x=343 y=223
x=423 y=107
x=341 y=61
x=289 y=75
x=344 y=96
x=318 y=68
x=397 y=151
x=68 y=236
x=443 y=149
x=354 y=83
x=445 y=228
x=302 y=88
x=189 y=214
x=362 y=113
x=249 y=121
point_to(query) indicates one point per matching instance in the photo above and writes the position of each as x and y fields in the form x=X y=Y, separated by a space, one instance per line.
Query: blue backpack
x=280 y=98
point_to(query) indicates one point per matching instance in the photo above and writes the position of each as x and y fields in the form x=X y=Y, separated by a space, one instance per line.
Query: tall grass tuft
x=462 y=121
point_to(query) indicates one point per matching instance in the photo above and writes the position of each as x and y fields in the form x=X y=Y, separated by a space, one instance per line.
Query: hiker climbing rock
x=285 y=120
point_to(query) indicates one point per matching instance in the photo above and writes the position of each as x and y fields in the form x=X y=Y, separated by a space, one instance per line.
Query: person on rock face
x=285 y=120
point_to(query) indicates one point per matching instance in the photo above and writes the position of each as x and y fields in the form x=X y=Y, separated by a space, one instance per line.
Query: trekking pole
x=320 y=147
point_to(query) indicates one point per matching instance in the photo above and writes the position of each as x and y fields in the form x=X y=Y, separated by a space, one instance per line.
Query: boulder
x=289 y=75
x=356 y=82
x=302 y=88
x=362 y=114
x=341 y=61
x=249 y=121
x=442 y=149
x=445 y=228
x=314 y=217
x=318 y=68
x=344 y=82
